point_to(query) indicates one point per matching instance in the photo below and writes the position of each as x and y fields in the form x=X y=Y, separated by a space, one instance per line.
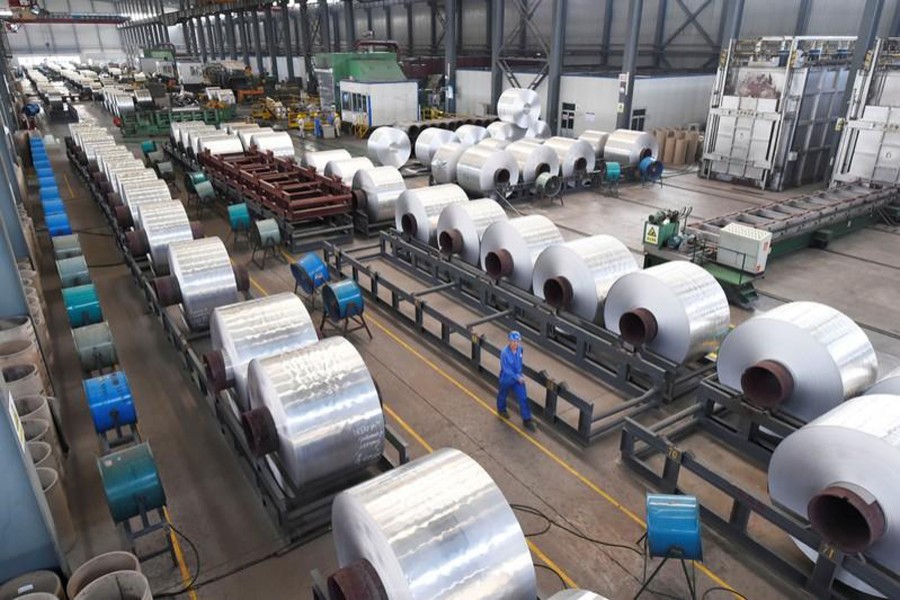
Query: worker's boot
x=529 y=425
x=503 y=413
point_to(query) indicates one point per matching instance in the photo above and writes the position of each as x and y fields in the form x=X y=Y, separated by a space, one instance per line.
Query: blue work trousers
x=513 y=385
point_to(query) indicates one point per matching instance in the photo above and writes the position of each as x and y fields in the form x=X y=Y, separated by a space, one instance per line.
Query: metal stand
x=121 y=437
x=690 y=577
x=237 y=234
x=359 y=320
x=146 y=526
x=269 y=249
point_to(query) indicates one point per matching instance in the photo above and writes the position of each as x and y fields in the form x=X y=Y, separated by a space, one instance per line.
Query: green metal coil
x=73 y=271
x=204 y=189
x=95 y=347
x=266 y=233
x=66 y=246
x=131 y=482
x=82 y=305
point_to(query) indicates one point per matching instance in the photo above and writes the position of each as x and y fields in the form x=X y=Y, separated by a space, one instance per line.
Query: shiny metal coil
x=443 y=165
x=205 y=278
x=258 y=328
x=279 y=143
x=132 y=175
x=519 y=106
x=141 y=192
x=576 y=595
x=628 y=147
x=539 y=130
x=325 y=407
x=889 y=384
x=194 y=135
x=501 y=130
x=481 y=170
x=460 y=227
x=246 y=135
x=417 y=210
x=233 y=128
x=515 y=244
x=184 y=132
x=123 y=104
x=319 y=160
x=381 y=186
x=495 y=143
x=430 y=140
x=576 y=276
x=575 y=156
x=346 y=169
x=597 y=140
x=471 y=134
x=686 y=304
x=389 y=147
x=143 y=98
x=840 y=473
x=827 y=357
x=437 y=528
x=533 y=159
x=220 y=144
x=163 y=223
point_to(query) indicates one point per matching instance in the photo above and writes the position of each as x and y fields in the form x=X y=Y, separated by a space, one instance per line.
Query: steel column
x=201 y=39
x=221 y=36
x=388 y=22
x=803 y=14
x=369 y=19
x=307 y=48
x=523 y=27
x=186 y=33
x=258 y=37
x=349 y=24
x=451 y=35
x=286 y=35
x=607 y=31
x=434 y=20
x=8 y=210
x=336 y=24
x=865 y=39
x=498 y=11
x=242 y=33
x=895 y=23
x=270 y=41
x=324 y=31
x=658 y=50
x=409 y=28
x=557 y=50
x=733 y=20
x=629 y=64
x=229 y=34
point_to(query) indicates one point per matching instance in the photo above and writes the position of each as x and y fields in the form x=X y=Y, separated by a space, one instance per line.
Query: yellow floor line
x=69 y=185
x=570 y=583
x=179 y=558
x=407 y=428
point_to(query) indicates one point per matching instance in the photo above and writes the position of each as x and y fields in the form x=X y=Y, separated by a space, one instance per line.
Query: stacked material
x=519 y=106
x=575 y=156
x=597 y=140
x=443 y=165
x=319 y=160
x=533 y=158
x=471 y=134
x=158 y=225
x=430 y=140
x=346 y=169
x=678 y=146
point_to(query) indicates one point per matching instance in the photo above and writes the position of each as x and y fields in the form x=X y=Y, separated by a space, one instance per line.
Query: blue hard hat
x=515 y=336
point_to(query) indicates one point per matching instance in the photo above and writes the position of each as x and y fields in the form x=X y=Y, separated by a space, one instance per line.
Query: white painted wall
x=673 y=101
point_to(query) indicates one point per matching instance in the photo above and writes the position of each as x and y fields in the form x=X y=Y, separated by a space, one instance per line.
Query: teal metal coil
x=131 y=482
x=66 y=246
x=82 y=305
x=613 y=171
x=266 y=233
x=239 y=216
x=342 y=300
x=73 y=271
x=95 y=347
x=204 y=189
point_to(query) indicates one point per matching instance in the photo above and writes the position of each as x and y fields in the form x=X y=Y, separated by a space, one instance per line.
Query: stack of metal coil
x=346 y=169
x=481 y=170
x=418 y=209
x=430 y=140
x=158 y=225
x=471 y=134
x=461 y=226
x=597 y=140
x=519 y=106
x=278 y=143
x=376 y=191
x=136 y=193
x=443 y=165
x=501 y=130
x=575 y=156
x=509 y=248
x=533 y=158
x=319 y=160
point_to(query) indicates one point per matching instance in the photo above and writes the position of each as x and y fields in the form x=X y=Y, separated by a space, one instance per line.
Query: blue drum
x=310 y=273
x=110 y=401
x=58 y=224
x=342 y=300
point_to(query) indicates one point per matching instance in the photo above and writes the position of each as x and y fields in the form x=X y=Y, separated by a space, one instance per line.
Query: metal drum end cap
x=847 y=516
x=197 y=230
x=260 y=431
x=214 y=364
x=558 y=292
x=138 y=244
x=768 y=383
x=123 y=216
x=638 y=326
x=241 y=277
x=359 y=199
x=357 y=581
x=450 y=242
x=167 y=290
x=498 y=263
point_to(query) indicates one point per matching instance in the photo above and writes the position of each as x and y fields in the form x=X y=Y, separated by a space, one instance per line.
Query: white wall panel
x=673 y=101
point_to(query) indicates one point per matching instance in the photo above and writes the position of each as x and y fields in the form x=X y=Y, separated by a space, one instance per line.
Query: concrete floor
x=434 y=403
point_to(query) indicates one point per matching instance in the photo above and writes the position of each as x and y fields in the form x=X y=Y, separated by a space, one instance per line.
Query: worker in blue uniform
x=512 y=380
x=317 y=126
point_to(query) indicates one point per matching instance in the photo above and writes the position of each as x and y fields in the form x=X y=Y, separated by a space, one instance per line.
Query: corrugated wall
x=100 y=42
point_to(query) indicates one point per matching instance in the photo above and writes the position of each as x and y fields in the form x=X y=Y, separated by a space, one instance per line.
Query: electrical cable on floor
x=190 y=585
x=554 y=571
x=723 y=589
x=538 y=513
x=106 y=265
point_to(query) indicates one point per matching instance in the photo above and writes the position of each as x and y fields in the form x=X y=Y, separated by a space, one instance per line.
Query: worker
x=317 y=126
x=337 y=125
x=301 y=125
x=512 y=380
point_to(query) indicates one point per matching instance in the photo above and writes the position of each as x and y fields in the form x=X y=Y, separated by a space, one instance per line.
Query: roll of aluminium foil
x=234 y=128
x=381 y=187
x=597 y=140
x=325 y=407
x=533 y=159
x=430 y=140
x=143 y=98
x=132 y=175
x=576 y=276
x=221 y=144
x=318 y=160
x=258 y=328
x=389 y=147
x=279 y=143
x=471 y=134
x=194 y=135
x=803 y=358
x=576 y=595
x=437 y=528
x=575 y=156
x=246 y=135
x=509 y=248
x=205 y=278
x=481 y=170
x=163 y=223
x=137 y=193
x=519 y=106
x=184 y=133
x=495 y=143
x=460 y=227
x=346 y=169
x=889 y=384
x=676 y=309
x=500 y=130
x=418 y=209
x=539 y=130
x=628 y=147
x=443 y=165
x=839 y=472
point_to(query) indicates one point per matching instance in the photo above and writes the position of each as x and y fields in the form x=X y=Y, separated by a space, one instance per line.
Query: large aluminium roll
x=597 y=140
x=202 y=279
x=430 y=140
x=803 y=358
x=509 y=248
x=539 y=130
x=481 y=170
x=443 y=165
x=254 y=329
x=220 y=144
x=676 y=309
x=494 y=143
x=628 y=147
x=471 y=134
x=460 y=227
x=437 y=528
x=118 y=585
x=346 y=169
x=840 y=472
x=318 y=408
x=158 y=225
x=576 y=276
x=533 y=159
x=389 y=147
x=500 y=130
x=576 y=595
x=519 y=106
x=319 y=160
x=418 y=209
x=889 y=384
x=575 y=156
x=379 y=189
x=279 y=143
x=97 y=567
x=141 y=193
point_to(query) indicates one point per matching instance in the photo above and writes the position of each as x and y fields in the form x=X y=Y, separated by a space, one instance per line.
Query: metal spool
x=430 y=140
x=389 y=146
x=122 y=104
x=110 y=401
x=628 y=147
x=119 y=585
x=192 y=179
x=575 y=156
x=840 y=472
x=47 y=182
x=138 y=193
x=310 y=272
x=467 y=541
x=804 y=358
x=500 y=130
x=234 y=128
x=346 y=169
x=443 y=165
x=279 y=143
x=194 y=135
x=49 y=193
x=131 y=482
x=342 y=300
x=471 y=134
x=66 y=246
x=22 y=380
x=204 y=189
x=482 y=170
x=676 y=309
x=576 y=595
x=576 y=276
x=46 y=582
x=239 y=216
x=254 y=329
x=265 y=233
x=318 y=408
x=222 y=144
x=597 y=140
x=889 y=384
x=418 y=209
x=158 y=225
x=519 y=106
x=460 y=227
x=97 y=567
x=95 y=347
x=202 y=279
x=509 y=248
x=533 y=159
x=494 y=144
x=319 y=160
x=73 y=271
x=539 y=130
x=380 y=187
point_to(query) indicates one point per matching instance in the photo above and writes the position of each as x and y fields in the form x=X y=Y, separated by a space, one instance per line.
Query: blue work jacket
x=510 y=365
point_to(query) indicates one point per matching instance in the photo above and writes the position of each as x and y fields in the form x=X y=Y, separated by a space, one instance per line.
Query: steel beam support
x=523 y=27
x=451 y=35
x=368 y=19
x=409 y=28
x=286 y=36
x=803 y=14
x=388 y=22
x=270 y=41
x=242 y=33
x=336 y=26
x=733 y=19
x=865 y=39
x=201 y=39
x=324 y=26
x=186 y=34
x=629 y=64
x=349 y=24
x=229 y=32
x=895 y=23
x=557 y=52
x=434 y=20
x=659 y=48
x=498 y=12
x=311 y=84
x=258 y=36
x=607 y=31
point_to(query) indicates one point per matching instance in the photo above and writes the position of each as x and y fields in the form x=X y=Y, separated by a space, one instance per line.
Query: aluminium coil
x=628 y=147
x=804 y=358
x=500 y=130
x=509 y=248
x=205 y=278
x=184 y=132
x=471 y=134
x=135 y=193
x=160 y=224
x=246 y=135
x=279 y=143
x=346 y=169
x=889 y=384
x=839 y=472
x=143 y=98
x=443 y=165
x=437 y=528
x=325 y=409
x=460 y=227
x=676 y=309
x=575 y=156
x=597 y=140
x=133 y=175
x=234 y=128
x=482 y=170
x=494 y=144
x=533 y=159
x=220 y=144
x=539 y=130
x=573 y=594
x=198 y=140
x=122 y=104
x=418 y=209
x=380 y=187
x=430 y=140
x=576 y=276
x=319 y=160
x=389 y=147
x=519 y=106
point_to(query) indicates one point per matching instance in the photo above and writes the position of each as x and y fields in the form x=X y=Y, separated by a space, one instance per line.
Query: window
x=637 y=119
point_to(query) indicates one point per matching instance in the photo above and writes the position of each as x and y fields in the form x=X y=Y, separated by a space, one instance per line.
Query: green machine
x=370 y=67
x=148 y=123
